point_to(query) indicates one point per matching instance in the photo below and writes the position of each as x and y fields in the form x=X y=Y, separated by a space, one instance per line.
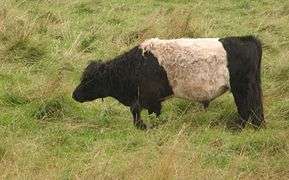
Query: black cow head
x=93 y=83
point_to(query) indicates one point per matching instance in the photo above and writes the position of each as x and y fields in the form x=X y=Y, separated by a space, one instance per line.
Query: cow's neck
x=123 y=82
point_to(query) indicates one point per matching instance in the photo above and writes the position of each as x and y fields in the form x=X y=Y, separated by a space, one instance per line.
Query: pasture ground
x=44 y=46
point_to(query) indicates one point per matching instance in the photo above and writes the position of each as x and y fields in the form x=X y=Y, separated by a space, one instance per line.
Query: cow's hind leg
x=136 y=113
x=240 y=93
x=256 y=105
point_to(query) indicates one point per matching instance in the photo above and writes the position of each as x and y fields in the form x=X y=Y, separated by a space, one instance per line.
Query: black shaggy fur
x=134 y=79
x=244 y=63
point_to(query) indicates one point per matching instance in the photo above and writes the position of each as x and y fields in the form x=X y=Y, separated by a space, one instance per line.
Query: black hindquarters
x=244 y=60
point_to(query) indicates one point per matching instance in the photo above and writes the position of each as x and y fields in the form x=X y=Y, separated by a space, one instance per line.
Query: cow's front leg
x=155 y=108
x=135 y=109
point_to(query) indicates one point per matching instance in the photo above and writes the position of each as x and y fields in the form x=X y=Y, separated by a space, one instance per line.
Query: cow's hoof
x=235 y=126
x=257 y=125
x=141 y=126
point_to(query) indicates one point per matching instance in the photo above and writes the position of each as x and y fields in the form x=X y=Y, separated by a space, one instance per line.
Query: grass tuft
x=86 y=45
x=10 y=99
x=51 y=109
x=25 y=52
x=83 y=9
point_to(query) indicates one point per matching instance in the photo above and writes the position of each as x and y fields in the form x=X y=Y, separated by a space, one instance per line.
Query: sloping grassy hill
x=44 y=45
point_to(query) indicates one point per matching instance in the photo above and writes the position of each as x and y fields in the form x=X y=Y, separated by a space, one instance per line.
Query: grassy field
x=44 y=46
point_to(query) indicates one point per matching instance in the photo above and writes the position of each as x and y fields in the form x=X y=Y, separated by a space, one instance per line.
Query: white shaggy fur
x=196 y=68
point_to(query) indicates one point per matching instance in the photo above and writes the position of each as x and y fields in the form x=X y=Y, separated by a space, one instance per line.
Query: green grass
x=44 y=46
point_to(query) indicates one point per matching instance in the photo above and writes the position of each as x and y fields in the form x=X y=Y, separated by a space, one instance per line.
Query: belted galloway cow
x=199 y=70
